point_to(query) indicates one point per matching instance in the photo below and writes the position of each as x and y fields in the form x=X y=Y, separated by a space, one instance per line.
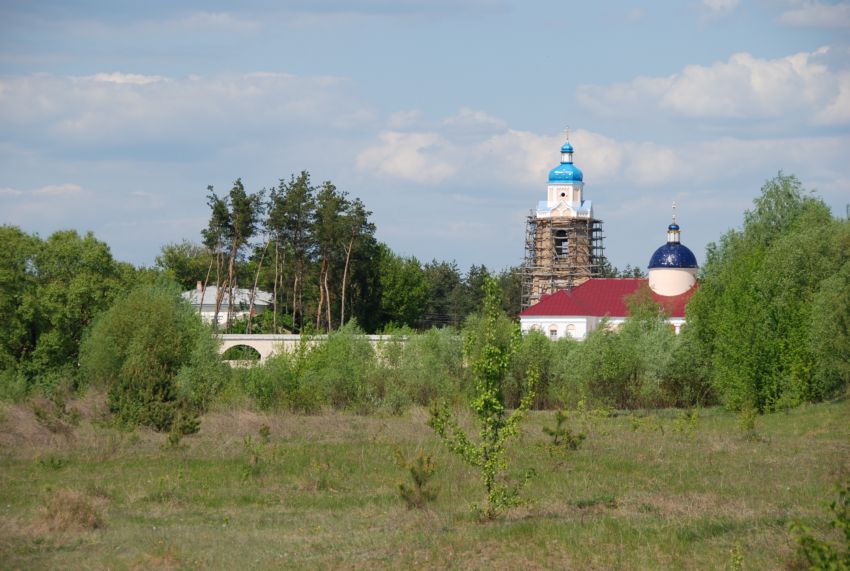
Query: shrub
x=425 y=367
x=155 y=358
x=421 y=470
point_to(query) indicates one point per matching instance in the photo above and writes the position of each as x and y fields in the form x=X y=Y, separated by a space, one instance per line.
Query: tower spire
x=673 y=229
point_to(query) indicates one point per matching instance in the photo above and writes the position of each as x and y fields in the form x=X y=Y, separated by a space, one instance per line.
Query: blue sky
x=443 y=116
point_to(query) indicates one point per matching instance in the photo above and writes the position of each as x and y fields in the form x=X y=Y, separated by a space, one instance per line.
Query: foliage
x=771 y=296
x=185 y=263
x=421 y=470
x=562 y=435
x=50 y=291
x=489 y=365
x=157 y=361
x=822 y=555
x=405 y=291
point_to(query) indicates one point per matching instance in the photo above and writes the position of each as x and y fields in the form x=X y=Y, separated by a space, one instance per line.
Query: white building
x=241 y=302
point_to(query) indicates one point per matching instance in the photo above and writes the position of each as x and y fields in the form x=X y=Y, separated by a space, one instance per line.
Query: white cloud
x=720 y=7
x=55 y=190
x=8 y=191
x=467 y=117
x=414 y=157
x=816 y=14
x=131 y=78
x=444 y=157
x=111 y=110
x=215 y=21
x=744 y=87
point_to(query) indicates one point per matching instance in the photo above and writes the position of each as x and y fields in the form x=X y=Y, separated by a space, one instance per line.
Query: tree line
x=313 y=247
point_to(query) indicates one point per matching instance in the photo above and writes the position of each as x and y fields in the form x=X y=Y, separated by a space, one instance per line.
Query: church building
x=565 y=298
x=563 y=239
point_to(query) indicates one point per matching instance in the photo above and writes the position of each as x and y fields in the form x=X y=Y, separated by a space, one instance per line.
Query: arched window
x=571 y=330
x=553 y=331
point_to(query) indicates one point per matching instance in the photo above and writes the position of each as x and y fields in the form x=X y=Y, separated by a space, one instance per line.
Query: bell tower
x=563 y=240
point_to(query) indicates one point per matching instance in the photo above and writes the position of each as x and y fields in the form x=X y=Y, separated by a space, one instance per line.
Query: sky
x=443 y=116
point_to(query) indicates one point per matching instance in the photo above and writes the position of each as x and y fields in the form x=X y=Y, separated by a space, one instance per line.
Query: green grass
x=323 y=494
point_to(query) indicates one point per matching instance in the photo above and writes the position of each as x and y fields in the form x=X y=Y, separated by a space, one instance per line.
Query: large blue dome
x=565 y=172
x=673 y=255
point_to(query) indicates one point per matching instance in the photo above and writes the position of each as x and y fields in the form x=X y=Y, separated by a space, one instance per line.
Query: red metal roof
x=603 y=296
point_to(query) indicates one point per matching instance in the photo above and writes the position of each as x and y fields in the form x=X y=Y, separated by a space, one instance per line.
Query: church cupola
x=564 y=197
x=565 y=172
x=673 y=267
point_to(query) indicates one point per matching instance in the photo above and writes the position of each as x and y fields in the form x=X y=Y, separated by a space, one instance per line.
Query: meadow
x=261 y=490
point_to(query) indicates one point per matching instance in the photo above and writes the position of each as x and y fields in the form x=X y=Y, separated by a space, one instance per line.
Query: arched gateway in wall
x=267 y=344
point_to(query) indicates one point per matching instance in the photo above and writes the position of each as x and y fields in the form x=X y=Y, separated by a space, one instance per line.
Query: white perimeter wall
x=581 y=325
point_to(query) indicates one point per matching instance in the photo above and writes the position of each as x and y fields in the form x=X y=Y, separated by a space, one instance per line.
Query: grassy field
x=645 y=491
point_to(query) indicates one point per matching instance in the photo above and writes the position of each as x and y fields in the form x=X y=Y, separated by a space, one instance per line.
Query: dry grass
x=72 y=510
x=323 y=494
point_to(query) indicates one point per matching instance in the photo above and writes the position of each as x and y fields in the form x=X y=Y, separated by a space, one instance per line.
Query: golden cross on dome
x=567 y=133
x=674 y=212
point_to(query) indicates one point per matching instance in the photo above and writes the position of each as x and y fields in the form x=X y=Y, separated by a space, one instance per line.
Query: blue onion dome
x=673 y=226
x=566 y=171
x=673 y=255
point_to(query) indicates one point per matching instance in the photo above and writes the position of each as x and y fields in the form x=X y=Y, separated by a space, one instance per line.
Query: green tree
x=444 y=291
x=405 y=289
x=290 y=222
x=488 y=405
x=17 y=285
x=154 y=356
x=752 y=315
x=76 y=279
x=185 y=263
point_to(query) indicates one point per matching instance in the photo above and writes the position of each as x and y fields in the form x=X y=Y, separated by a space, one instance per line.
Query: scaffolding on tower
x=560 y=253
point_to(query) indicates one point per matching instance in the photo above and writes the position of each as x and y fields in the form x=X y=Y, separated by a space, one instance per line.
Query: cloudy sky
x=444 y=116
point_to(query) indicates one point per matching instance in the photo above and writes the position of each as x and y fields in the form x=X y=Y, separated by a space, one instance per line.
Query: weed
x=747 y=422
x=52 y=416
x=686 y=423
x=52 y=462
x=736 y=557
x=265 y=433
x=563 y=436
x=606 y=500
x=421 y=470
x=318 y=477
x=67 y=510
x=650 y=423
x=821 y=554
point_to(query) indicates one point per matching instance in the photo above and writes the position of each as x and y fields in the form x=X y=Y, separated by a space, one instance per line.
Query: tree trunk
x=218 y=289
x=328 y=299
x=274 y=289
x=321 y=295
x=344 y=278
x=254 y=290
x=206 y=281
x=231 y=268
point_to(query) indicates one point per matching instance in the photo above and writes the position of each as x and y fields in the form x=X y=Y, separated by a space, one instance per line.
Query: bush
x=155 y=358
x=425 y=367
